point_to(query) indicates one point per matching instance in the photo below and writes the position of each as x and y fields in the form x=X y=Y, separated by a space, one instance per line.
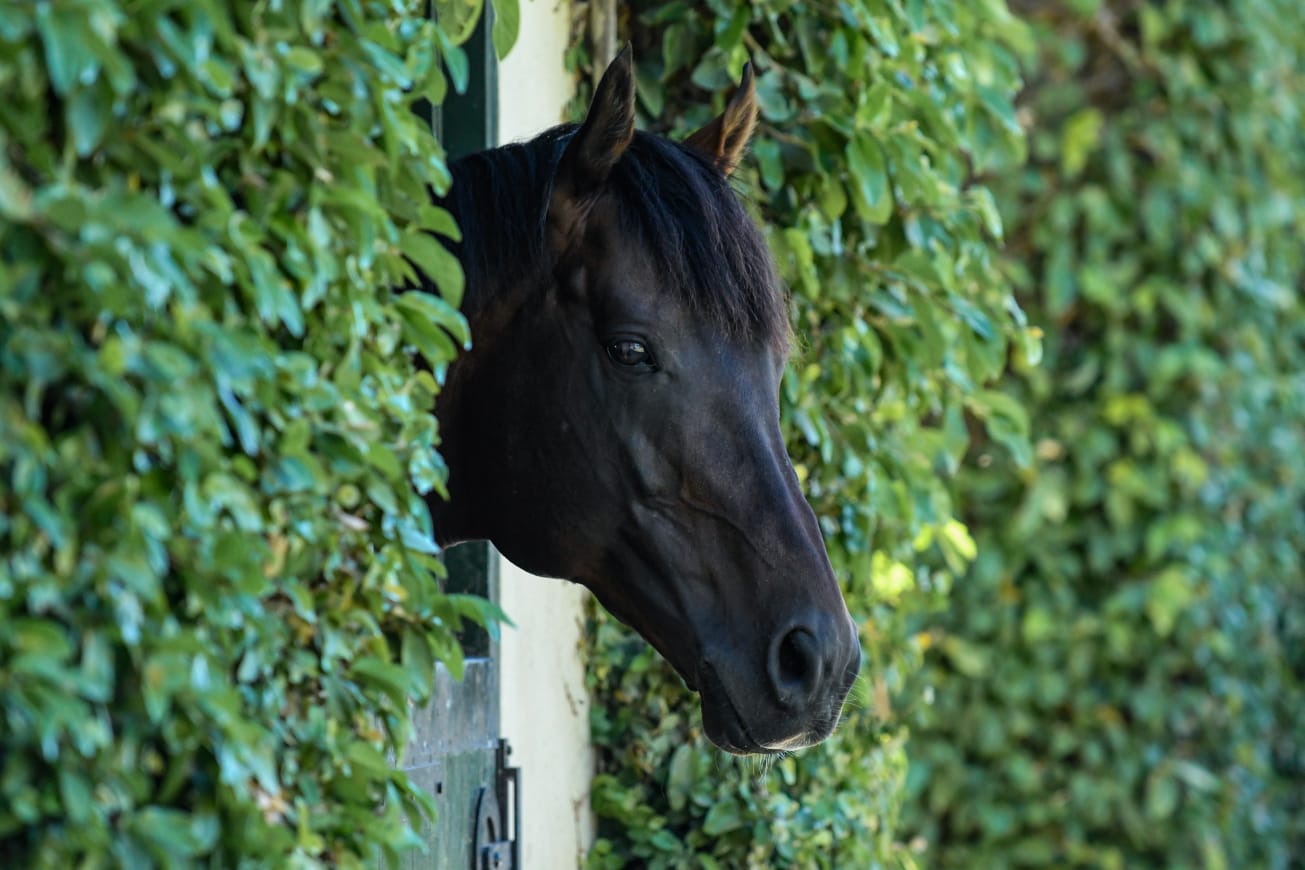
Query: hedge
x=1119 y=680
x=215 y=558
x=876 y=118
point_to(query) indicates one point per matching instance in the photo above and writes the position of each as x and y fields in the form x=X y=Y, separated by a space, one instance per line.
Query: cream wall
x=545 y=708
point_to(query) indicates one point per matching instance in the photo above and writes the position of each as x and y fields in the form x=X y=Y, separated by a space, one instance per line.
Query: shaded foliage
x=215 y=562
x=1118 y=681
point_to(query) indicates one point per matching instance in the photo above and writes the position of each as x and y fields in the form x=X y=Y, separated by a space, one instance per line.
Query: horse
x=616 y=421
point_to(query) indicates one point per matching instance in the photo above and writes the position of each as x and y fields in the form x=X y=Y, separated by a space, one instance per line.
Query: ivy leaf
x=869 y=176
x=723 y=817
x=457 y=19
x=88 y=116
x=1080 y=135
x=507 y=26
x=678 y=778
x=423 y=311
x=69 y=56
x=436 y=263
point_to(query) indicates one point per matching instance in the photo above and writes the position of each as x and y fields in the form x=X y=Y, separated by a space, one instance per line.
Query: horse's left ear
x=594 y=150
x=725 y=137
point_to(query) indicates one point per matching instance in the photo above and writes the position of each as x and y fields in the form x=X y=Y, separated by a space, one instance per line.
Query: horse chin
x=726 y=728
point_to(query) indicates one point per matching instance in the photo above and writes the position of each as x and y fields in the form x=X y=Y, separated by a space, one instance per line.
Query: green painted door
x=456 y=754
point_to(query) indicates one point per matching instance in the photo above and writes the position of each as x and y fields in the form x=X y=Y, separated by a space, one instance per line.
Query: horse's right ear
x=593 y=151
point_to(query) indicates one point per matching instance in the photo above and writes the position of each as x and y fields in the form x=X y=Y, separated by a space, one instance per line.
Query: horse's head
x=617 y=422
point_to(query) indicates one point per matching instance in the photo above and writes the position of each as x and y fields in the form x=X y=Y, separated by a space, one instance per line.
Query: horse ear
x=725 y=137
x=595 y=148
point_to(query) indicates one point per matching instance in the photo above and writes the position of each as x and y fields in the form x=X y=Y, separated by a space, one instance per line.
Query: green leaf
x=677 y=48
x=1078 y=138
x=385 y=676
x=367 y=757
x=507 y=26
x=75 y=792
x=173 y=834
x=1037 y=626
x=15 y=196
x=88 y=117
x=38 y=637
x=422 y=311
x=449 y=652
x=768 y=161
x=434 y=219
x=480 y=610
x=305 y=60
x=1007 y=422
x=869 y=176
x=455 y=59
x=1161 y=795
x=713 y=72
x=723 y=817
x=678 y=779
x=436 y=263
x=987 y=208
x=69 y=57
x=458 y=18
x=1169 y=596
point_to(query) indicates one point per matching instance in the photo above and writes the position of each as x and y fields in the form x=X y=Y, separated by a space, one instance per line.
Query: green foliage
x=875 y=119
x=215 y=559
x=1119 y=680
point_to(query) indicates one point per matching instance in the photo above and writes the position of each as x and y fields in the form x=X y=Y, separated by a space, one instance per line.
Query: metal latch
x=493 y=848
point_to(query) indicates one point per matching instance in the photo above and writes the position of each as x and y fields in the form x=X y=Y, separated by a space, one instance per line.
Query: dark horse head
x=617 y=421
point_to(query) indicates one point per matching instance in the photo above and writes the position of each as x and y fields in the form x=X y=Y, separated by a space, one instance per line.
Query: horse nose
x=800 y=661
x=796 y=665
x=809 y=657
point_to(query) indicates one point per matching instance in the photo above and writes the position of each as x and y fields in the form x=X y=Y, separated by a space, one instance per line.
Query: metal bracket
x=493 y=848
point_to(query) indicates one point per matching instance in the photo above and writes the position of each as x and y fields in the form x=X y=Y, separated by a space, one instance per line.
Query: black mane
x=671 y=199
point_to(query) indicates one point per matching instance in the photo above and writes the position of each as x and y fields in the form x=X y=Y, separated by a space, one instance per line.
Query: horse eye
x=630 y=352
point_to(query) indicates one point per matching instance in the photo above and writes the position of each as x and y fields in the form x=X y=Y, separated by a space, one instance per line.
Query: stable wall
x=544 y=704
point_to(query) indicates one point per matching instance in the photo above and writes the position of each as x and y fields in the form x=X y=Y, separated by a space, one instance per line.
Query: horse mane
x=671 y=199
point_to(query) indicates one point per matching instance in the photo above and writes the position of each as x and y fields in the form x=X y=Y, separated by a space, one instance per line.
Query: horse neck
x=459 y=518
x=501 y=258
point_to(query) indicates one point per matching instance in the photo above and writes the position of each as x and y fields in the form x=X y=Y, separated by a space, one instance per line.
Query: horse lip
x=740 y=743
x=801 y=740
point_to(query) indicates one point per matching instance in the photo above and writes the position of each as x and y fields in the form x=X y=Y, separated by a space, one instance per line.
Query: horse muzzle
x=792 y=700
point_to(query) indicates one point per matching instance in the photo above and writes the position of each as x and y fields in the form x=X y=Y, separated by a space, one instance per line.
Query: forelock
x=682 y=209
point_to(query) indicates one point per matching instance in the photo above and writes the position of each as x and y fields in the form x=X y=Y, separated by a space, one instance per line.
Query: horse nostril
x=795 y=665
